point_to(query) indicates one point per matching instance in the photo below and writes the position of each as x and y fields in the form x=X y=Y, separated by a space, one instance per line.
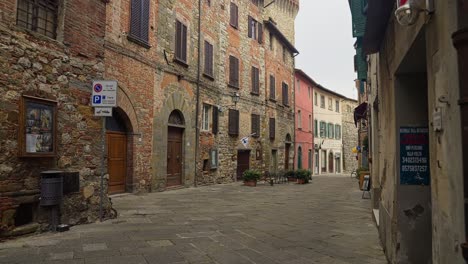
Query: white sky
x=325 y=43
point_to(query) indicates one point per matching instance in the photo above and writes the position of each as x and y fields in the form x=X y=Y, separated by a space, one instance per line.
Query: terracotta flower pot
x=250 y=183
x=291 y=179
x=300 y=181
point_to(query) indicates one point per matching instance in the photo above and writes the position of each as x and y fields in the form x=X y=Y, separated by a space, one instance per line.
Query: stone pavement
x=325 y=221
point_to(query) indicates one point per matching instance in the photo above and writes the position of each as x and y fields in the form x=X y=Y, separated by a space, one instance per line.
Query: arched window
x=176 y=118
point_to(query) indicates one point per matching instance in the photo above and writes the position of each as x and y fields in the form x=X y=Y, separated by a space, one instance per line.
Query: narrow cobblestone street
x=322 y=222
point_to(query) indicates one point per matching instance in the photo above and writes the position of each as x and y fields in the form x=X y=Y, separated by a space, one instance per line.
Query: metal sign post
x=104 y=98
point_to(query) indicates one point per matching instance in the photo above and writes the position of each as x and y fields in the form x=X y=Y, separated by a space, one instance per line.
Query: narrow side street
x=325 y=221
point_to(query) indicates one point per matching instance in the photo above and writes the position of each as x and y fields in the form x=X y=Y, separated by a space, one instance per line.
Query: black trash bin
x=51 y=188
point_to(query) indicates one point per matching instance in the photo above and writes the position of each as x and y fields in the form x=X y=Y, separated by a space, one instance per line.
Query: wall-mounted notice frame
x=37 y=127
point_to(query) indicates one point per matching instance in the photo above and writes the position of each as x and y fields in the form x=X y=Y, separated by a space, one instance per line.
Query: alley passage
x=322 y=222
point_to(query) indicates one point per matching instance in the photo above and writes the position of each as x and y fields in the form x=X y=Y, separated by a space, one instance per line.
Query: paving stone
x=220 y=224
x=94 y=247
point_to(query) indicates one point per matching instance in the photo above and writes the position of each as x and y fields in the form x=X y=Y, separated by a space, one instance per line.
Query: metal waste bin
x=51 y=188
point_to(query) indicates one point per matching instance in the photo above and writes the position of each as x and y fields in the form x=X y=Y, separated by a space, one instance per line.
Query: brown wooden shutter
x=144 y=20
x=250 y=20
x=231 y=69
x=233 y=122
x=272 y=87
x=255 y=125
x=260 y=33
x=135 y=18
x=252 y=78
x=236 y=20
x=208 y=58
x=272 y=128
x=184 y=42
x=178 y=44
x=215 y=120
x=234 y=16
x=285 y=94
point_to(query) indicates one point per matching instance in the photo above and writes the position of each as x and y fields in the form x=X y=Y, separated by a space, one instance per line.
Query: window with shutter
x=255 y=125
x=38 y=16
x=208 y=59
x=285 y=94
x=272 y=128
x=250 y=30
x=255 y=76
x=323 y=128
x=233 y=129
x=233 y=72
x=299 y=119
x=181 y=42
x=331 y=130
x=272 y=87
x=315 y=128
x=260 y=33
x=234 y=18
x=215 y=120
x=139 y=22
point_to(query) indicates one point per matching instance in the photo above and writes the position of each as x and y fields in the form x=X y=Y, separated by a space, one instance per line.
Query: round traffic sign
x=98 y=87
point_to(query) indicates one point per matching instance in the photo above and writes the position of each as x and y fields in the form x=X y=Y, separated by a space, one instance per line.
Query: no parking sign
x=104 y=94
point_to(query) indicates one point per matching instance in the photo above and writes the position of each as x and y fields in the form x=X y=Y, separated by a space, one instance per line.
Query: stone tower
x=283 y=13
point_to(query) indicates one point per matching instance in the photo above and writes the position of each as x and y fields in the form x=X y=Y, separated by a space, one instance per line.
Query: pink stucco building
x=304 y=125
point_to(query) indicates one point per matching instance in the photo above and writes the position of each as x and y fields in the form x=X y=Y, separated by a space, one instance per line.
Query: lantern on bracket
x=408 y=11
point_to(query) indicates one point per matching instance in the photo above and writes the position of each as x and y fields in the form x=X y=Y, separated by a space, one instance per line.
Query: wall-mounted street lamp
x=235 y=99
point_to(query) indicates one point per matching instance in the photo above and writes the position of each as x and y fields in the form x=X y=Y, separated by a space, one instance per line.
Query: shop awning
x=360 y=112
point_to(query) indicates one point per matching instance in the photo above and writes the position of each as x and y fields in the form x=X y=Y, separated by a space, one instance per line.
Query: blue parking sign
x=96 y=99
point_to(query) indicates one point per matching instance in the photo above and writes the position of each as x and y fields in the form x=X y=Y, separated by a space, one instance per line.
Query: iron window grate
x=39 y=16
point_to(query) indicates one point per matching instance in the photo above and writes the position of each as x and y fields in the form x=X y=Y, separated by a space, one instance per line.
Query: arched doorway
x=119 y=152
x=175 y=155
x=299 y=158
x=330 y=162
x=287 y=149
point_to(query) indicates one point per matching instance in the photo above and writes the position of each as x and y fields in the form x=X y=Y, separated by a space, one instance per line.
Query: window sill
x=181 y=62
x=233 y=86
x=234 y=26
x=233 y=135
x=254 y=93
x=208 y=76
x=272 y=100
x=138 y=41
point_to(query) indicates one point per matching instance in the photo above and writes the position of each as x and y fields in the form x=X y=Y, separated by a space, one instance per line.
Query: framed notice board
x=414 y=156
x=37 y=127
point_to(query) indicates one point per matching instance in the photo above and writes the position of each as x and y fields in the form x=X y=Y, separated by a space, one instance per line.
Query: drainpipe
x=197 y=110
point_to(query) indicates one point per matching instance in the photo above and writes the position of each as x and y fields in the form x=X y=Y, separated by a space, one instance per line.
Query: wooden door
x=117 y=161
x=174 y=156
x=243 y=162
x=286 y=156
x=330 y=162
x=274 y=162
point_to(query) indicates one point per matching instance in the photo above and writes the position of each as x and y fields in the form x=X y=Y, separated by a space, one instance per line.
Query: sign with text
x=414 y=156
x=103 y=111
x=104 y=94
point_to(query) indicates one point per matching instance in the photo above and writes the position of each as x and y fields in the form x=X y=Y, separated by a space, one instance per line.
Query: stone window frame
x=25 y=123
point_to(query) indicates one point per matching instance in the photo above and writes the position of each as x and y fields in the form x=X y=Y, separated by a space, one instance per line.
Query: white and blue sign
x=104 y=94
x=414 y=156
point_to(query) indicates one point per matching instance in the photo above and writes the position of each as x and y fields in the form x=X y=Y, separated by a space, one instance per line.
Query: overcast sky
x=325 y=43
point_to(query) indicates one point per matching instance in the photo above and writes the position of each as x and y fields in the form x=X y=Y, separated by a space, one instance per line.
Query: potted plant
x=291 y=175
x=251 y=177
x=303 y=176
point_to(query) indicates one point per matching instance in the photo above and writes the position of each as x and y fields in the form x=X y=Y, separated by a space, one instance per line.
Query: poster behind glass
x=39 y=124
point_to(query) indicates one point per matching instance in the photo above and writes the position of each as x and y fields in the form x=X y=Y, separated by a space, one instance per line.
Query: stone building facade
x=304 y=141
x=181 y=111
x=417 y=83
x=53 y=63
x=328 y=108
x=350 y=135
